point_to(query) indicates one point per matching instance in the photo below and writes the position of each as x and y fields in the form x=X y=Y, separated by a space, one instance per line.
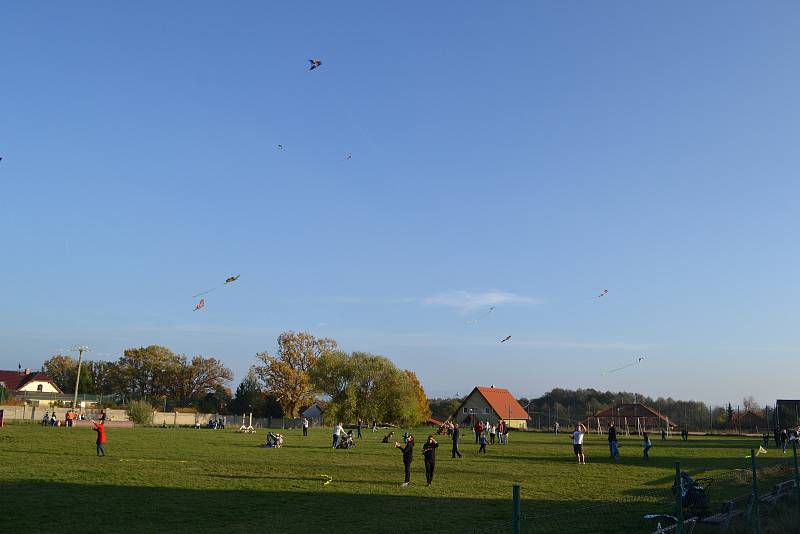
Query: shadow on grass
x=109 y=508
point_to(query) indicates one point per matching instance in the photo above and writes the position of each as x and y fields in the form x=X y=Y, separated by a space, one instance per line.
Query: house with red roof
x=491 y=404
x=27 y=382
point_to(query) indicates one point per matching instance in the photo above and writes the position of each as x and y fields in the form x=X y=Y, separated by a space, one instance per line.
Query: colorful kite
x=228 y=280
x=507 y=338
x=314 y=63
x=200 y=305
x=232 y=279
x=639 y=360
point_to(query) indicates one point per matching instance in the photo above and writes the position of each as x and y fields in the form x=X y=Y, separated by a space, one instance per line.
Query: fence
x=763 y=496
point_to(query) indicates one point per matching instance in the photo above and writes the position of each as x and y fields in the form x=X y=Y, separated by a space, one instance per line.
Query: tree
x=286 y=374
x=248 y=395
x=62 y=370
x=422 y=400
x=750 y=405
x=729 y=411
x=146 y=372
x=196 y=379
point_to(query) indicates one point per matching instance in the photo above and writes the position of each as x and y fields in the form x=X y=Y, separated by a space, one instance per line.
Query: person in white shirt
x=305 y=426
x=577 y=443
x=338 y=430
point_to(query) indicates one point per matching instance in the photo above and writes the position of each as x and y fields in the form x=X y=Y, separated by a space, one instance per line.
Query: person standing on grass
x=374 y=425
x=482 y=441
x=556 y=428
x=612 y=440
x=456 y=435
x=408 y=454
x=46 y=418
x=429 y=451
x=337 y=432
x=784 y=439
x=100 y=428
x=577 y=443
x=501 y=431
x=305 y=426
x=663 y=435
x=492 y=433
x=647 y=445
x=359 y=425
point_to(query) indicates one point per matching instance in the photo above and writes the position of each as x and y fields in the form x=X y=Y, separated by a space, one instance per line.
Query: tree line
x=302 y=370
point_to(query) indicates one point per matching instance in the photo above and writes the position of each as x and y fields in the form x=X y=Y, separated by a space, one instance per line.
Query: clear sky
x=522 y=154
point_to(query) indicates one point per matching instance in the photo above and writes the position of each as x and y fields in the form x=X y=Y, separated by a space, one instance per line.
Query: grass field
x=187 y=480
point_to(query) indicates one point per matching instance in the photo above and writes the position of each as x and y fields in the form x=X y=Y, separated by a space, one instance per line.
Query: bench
x=782 y=489
x=732 y=508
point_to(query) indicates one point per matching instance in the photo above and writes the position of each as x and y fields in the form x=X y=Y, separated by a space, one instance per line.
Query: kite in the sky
x=481 y=317
x=232 y=279
x=507 y=338
x=314 y=63
x=228 y=280
x=349 y=156
x=200 y=305
x=280 y=147
x=603 y=294
x=639 y=360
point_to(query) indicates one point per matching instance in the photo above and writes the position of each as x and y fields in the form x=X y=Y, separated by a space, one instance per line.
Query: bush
x=140 y=412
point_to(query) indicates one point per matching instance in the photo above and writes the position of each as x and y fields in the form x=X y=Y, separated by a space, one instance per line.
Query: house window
x=39 y=387
x=465 y=410
x=487 y=410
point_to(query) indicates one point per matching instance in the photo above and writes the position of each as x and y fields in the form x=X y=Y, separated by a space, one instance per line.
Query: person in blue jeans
x=647 y=445
x=612 y=440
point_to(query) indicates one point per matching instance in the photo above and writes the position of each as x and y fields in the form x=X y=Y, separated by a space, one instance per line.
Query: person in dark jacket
x=429 y=451
x=612 y=440
x=456 y=436
x=408 y=452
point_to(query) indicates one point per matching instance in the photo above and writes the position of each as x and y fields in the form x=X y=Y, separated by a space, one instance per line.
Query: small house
x=492 y=404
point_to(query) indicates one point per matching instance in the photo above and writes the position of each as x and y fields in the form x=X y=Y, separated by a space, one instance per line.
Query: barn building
x=27 y=382
x=493 y=404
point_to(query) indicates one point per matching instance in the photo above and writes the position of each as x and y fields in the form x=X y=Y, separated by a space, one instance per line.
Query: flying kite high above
x=603 y=294
x=280 y=147
x=507 y=338
x=232 y=279
x=482 y=316
x=200 y=305
x=315 y=63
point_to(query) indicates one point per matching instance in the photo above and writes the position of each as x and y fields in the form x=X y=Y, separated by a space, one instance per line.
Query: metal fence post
x=678 y=498
x=796 y=473
x=754 y=512
x=515 y=519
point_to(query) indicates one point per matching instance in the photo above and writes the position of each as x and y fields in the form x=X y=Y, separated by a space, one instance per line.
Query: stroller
x=274 y=441
x=346 y=441
x=694 y=495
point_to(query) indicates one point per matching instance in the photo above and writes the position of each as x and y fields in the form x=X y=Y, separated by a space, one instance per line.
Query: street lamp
x=80 y=350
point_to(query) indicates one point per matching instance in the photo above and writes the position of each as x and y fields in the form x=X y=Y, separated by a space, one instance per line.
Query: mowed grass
x=188 y=480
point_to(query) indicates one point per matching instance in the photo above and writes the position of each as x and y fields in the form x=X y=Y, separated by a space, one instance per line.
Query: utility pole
x=80 y=350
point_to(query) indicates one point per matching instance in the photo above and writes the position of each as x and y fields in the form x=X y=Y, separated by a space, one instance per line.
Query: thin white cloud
x=466 y=301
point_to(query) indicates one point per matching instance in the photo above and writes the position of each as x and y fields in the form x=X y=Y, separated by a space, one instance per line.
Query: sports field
x=187 y=480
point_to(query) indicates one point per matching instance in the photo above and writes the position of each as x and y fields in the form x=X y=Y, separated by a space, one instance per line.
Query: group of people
x=487 y=433
x=613 y=442
x=428 y=453
x=783 y=437
x=51 y=419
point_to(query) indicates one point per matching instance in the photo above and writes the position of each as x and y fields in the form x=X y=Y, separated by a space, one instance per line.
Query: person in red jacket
x=100 y=428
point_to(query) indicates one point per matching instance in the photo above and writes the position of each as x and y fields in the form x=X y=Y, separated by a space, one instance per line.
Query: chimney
x=492 y=386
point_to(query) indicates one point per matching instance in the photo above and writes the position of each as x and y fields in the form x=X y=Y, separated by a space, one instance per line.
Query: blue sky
x=524 y=155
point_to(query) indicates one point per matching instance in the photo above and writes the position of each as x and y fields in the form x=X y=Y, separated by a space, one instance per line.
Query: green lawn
x=187 y=480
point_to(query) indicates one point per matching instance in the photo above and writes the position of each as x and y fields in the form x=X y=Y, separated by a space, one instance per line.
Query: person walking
x=429 y=451
x=577 y=443
x=100 y=428
x=456 y=436
x=408 y=453
x=482 y=441
x=374 y=425
x=305 y=426
x=338 y=430
x=359 y=425
x=647 y=445
x=663 y=434
x=612 y=440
